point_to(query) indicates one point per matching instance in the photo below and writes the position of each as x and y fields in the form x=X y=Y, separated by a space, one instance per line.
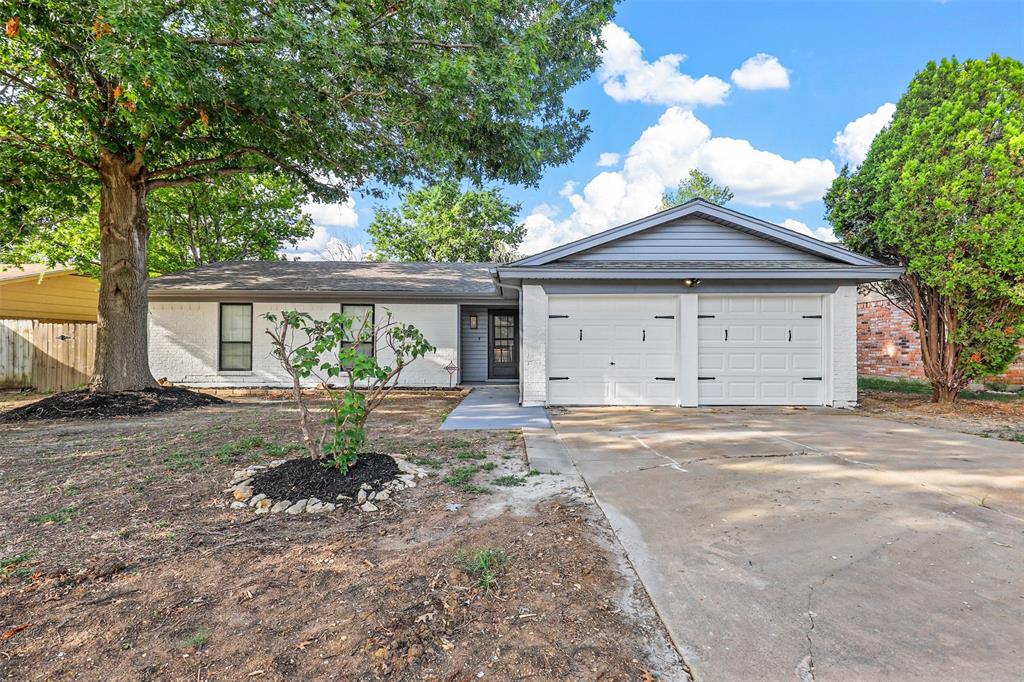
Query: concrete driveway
x=782 y=543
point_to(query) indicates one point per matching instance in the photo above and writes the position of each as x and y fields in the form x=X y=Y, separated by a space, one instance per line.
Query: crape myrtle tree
x=941 y=193
x=441 y=222
x=128 y=98
x=241 y=217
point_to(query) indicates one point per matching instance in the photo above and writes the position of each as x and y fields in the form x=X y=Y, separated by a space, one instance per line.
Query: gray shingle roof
x=394 y=279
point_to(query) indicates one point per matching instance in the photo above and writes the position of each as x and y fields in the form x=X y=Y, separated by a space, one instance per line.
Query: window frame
x=373 y=325
x=221 y=341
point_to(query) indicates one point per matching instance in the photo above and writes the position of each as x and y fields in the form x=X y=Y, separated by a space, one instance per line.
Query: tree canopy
x=131 y=98
x=233 y=218
x=941 y=192
x=696 y=185
x=440 y=222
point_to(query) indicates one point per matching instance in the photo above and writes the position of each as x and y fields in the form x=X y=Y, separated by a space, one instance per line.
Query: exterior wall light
x=472 y=322
x=691 y=282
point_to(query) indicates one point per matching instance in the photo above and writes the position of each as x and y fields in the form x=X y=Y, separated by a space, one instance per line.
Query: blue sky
x=768 y=129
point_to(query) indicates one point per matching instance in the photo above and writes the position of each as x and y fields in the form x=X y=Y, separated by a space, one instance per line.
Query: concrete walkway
x=782 y=544
x=495 y=407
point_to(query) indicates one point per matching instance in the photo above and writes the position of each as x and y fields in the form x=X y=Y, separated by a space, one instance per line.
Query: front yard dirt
x=119 y=559
x=991 y=418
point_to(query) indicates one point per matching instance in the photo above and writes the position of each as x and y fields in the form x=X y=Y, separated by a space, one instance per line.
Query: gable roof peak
x=708 y=210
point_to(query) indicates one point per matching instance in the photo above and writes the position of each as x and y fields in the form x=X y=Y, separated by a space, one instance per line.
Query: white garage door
x=612 y=350
x=760 y=350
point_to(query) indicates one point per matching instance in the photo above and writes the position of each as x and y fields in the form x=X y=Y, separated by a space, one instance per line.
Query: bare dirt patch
x=990 y=418
x=120 y=560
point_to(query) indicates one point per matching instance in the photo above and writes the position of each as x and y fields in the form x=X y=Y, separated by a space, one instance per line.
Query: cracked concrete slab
x=815 y=544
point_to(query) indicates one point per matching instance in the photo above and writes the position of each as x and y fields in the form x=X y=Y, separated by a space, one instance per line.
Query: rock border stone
x=244 y=496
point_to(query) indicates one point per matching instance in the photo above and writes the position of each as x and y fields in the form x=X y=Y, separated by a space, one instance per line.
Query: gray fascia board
x=268 y=295
x=856 y=273
x=739 y=220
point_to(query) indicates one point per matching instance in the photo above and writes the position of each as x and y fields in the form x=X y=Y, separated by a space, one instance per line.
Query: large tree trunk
x=122 y=343
x=936 y=322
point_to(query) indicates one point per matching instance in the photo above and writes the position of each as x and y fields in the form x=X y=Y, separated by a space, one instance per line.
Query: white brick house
x=695 y=305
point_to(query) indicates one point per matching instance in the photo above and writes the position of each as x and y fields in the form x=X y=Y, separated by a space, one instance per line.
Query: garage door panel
x=624 y=347
x=773 y=348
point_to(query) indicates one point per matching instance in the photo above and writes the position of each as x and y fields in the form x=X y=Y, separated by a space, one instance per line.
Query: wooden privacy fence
x=48 y=356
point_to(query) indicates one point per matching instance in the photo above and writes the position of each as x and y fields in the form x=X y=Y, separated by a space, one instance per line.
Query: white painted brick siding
x=183 y=341
x=844 y=347
x=534 y=345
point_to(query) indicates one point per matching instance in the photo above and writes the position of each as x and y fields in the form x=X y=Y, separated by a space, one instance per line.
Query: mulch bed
x=85 y=404
x=304 y=478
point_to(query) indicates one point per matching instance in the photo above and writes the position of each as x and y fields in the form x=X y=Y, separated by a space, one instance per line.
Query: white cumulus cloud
x=333 y=215
x=662 y=155
x=825 y=234
x=628 y=77
x=607 y=159
x=853 y=142
x=761 y=72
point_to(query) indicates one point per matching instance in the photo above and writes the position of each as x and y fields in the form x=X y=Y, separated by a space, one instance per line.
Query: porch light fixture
x=691 y=282
x=472 y=321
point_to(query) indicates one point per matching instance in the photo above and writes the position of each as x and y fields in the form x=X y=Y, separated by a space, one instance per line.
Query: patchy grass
x=482 y=565
x=12 y=565
x=913 y=386
x=509 y=480
x=60 y=516
x=198 y=640
x=462 y=475
x=465 y=455
x=181 y=460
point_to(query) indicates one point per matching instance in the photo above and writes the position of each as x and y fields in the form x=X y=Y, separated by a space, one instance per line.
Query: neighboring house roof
x=328 y=279
x=701 y=208
x=37 y=292
x=15 y=273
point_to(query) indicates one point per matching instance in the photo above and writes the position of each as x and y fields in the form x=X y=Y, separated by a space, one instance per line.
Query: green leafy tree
x=696 y=185
x=123 y=99
x=233 y=218
x=941 y=193
x=442 y=223
x=334 y=349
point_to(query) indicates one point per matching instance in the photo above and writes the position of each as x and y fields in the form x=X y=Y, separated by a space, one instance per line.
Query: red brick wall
x=887 y=345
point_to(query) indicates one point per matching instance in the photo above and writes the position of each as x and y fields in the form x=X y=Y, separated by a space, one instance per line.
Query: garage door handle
x=644 y=336
x=790 y=334
x=558 y=378
x=726 y=334
x=581 y=335
x=705 y=378
x=812 y=378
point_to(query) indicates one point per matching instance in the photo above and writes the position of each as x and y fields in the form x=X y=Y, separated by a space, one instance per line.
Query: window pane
x=235 y=356
x=235 y=322
x=361 y=313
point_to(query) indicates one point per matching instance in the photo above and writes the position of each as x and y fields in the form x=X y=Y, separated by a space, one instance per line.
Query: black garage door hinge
x=812 y=317
x=664 y=317
x=558 y=317
x=558 y=378
x=812 y=378
x=705 y=317
x=664 y=378
x=705 y=378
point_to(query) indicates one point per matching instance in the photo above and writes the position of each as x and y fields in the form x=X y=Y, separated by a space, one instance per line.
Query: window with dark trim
x=361 y=313
x=235 y=337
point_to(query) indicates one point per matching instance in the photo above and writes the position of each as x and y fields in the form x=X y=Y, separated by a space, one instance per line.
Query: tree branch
x=193 y=179
x=224 y=42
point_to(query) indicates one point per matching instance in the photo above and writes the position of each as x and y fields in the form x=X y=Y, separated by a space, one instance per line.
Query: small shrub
x=482 y=565
x=509 y=481
x=61 y=516
x=335 y=348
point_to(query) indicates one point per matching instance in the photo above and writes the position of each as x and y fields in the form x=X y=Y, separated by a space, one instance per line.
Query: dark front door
x=503 y=353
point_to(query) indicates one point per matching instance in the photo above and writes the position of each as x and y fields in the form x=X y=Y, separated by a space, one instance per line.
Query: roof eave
x=197 y=294
x=853 y=273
